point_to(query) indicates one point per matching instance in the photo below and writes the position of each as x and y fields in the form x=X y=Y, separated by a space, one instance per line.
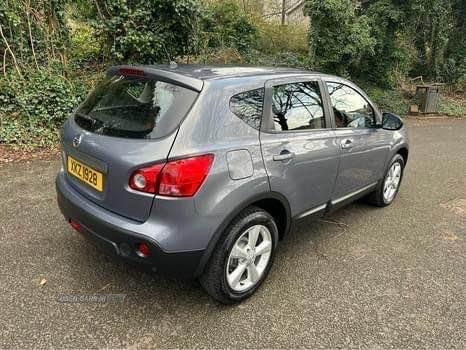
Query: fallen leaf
x=457 y=206
x=449 y=236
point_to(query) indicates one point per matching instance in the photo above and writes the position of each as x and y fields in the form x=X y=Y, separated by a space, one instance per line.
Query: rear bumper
x=111 y=233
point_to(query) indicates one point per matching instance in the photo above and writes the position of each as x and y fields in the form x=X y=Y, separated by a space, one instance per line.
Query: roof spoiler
x=158 y=74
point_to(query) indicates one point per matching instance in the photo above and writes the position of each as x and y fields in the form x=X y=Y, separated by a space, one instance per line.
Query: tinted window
x=134 y=108
x=297 y=106
x=351 y=110
x=248 y=106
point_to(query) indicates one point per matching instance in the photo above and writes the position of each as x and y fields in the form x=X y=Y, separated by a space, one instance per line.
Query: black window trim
x=335 y=80
x=267 y=125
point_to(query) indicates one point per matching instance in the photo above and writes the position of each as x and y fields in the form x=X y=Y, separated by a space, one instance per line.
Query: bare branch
x=10 y=51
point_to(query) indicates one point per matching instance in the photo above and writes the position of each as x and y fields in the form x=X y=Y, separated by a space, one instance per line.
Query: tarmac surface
x=364 y=277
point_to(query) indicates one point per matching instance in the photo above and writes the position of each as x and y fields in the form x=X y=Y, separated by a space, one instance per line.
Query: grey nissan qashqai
x=200 y=171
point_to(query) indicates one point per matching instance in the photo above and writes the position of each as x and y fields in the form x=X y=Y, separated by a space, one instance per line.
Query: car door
x=363 y=145
x=298 y=145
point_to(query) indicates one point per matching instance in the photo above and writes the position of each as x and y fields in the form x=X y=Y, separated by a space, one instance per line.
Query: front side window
x=297 y=106
x=134 y=108
x=351 y=110
x=248 y=106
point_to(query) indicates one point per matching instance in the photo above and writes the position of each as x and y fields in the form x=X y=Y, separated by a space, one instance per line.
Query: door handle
x=346 y=144
x=284 y=155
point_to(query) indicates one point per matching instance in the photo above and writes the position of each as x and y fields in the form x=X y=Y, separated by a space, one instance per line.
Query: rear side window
x=298 y=106
x=248 y=106
x=134 y=108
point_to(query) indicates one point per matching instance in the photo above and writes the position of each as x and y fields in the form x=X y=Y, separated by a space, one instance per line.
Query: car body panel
x=308 y=177
x=117 y=158
x=243 y=171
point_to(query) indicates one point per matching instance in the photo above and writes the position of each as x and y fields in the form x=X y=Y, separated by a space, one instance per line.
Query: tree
x=338 y=37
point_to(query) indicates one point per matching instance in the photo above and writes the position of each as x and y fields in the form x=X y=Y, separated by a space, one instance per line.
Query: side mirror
x=391 y=121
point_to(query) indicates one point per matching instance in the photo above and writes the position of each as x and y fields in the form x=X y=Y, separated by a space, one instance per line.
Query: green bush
x=146 y=31
x=388 y=100
x=338 y=37
x=274 y=39
x=32 y=108
x=85 y=49
x=224 y=25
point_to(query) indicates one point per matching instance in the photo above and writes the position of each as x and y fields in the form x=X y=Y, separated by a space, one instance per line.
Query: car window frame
x=268 y=125
x=335 y=80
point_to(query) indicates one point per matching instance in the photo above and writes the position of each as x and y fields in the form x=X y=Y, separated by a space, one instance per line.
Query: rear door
x=298 y=147
x=127 y=123
x=364 y=147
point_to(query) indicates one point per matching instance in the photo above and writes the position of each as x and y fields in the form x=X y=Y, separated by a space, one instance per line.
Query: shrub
x=32 y=108
x=273 y=38
x=146 y=31
x=225 y=25
x=85 y=49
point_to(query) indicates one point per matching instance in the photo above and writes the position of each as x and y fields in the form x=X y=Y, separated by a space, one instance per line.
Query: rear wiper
x=85 y=116
x=94 y=122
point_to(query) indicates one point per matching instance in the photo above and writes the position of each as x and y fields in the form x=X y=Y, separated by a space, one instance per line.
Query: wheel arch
x=272 y=202
x=404 y=152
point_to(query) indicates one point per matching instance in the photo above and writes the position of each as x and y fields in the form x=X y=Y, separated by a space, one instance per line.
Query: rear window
x=134 y=108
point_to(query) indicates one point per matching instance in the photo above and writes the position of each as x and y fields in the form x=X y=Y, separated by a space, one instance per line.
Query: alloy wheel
x=392 y=181
x=249 y=258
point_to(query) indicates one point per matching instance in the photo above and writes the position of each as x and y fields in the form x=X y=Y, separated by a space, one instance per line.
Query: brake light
x=183 y=177
x=131 y=72
x=177 y=178
x=145 y=179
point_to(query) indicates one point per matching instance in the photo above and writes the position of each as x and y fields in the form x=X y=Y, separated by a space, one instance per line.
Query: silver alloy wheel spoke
x=235 y=276
x=253 y=236
x=253 y=274
x=238 y=252
x=263 y=248
x=249 y=258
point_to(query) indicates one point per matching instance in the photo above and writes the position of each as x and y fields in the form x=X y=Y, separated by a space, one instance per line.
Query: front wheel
x=242 y=258
x=388 y=187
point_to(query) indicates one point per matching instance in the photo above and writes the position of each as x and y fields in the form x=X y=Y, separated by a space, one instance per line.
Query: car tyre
x=235 y=271
x=384 y=196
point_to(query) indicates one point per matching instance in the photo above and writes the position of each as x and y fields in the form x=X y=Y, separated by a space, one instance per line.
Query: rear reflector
x=177 y=178
x=143 y=250
x=75 y=225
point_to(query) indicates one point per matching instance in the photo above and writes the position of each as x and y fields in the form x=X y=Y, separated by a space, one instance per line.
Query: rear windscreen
x=134 y=108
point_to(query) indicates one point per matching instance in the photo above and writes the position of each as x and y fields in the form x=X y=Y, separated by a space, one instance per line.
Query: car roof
x=209 y=72
x=193 y=76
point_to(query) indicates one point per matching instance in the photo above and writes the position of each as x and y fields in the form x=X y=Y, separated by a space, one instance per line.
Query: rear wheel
x=243 y=257
x=388 y=187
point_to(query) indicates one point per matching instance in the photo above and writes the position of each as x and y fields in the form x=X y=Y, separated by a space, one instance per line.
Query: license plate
x=86 y=174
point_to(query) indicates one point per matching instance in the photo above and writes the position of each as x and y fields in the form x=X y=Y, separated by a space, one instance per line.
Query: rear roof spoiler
x=158 y=74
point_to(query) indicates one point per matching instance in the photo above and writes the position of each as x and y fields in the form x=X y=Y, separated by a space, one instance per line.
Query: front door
x=364 y=147
x=298 y=147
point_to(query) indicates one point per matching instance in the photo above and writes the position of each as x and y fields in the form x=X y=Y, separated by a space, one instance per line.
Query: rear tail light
x=177 y=178
x=182 y=178
x=145 y=179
